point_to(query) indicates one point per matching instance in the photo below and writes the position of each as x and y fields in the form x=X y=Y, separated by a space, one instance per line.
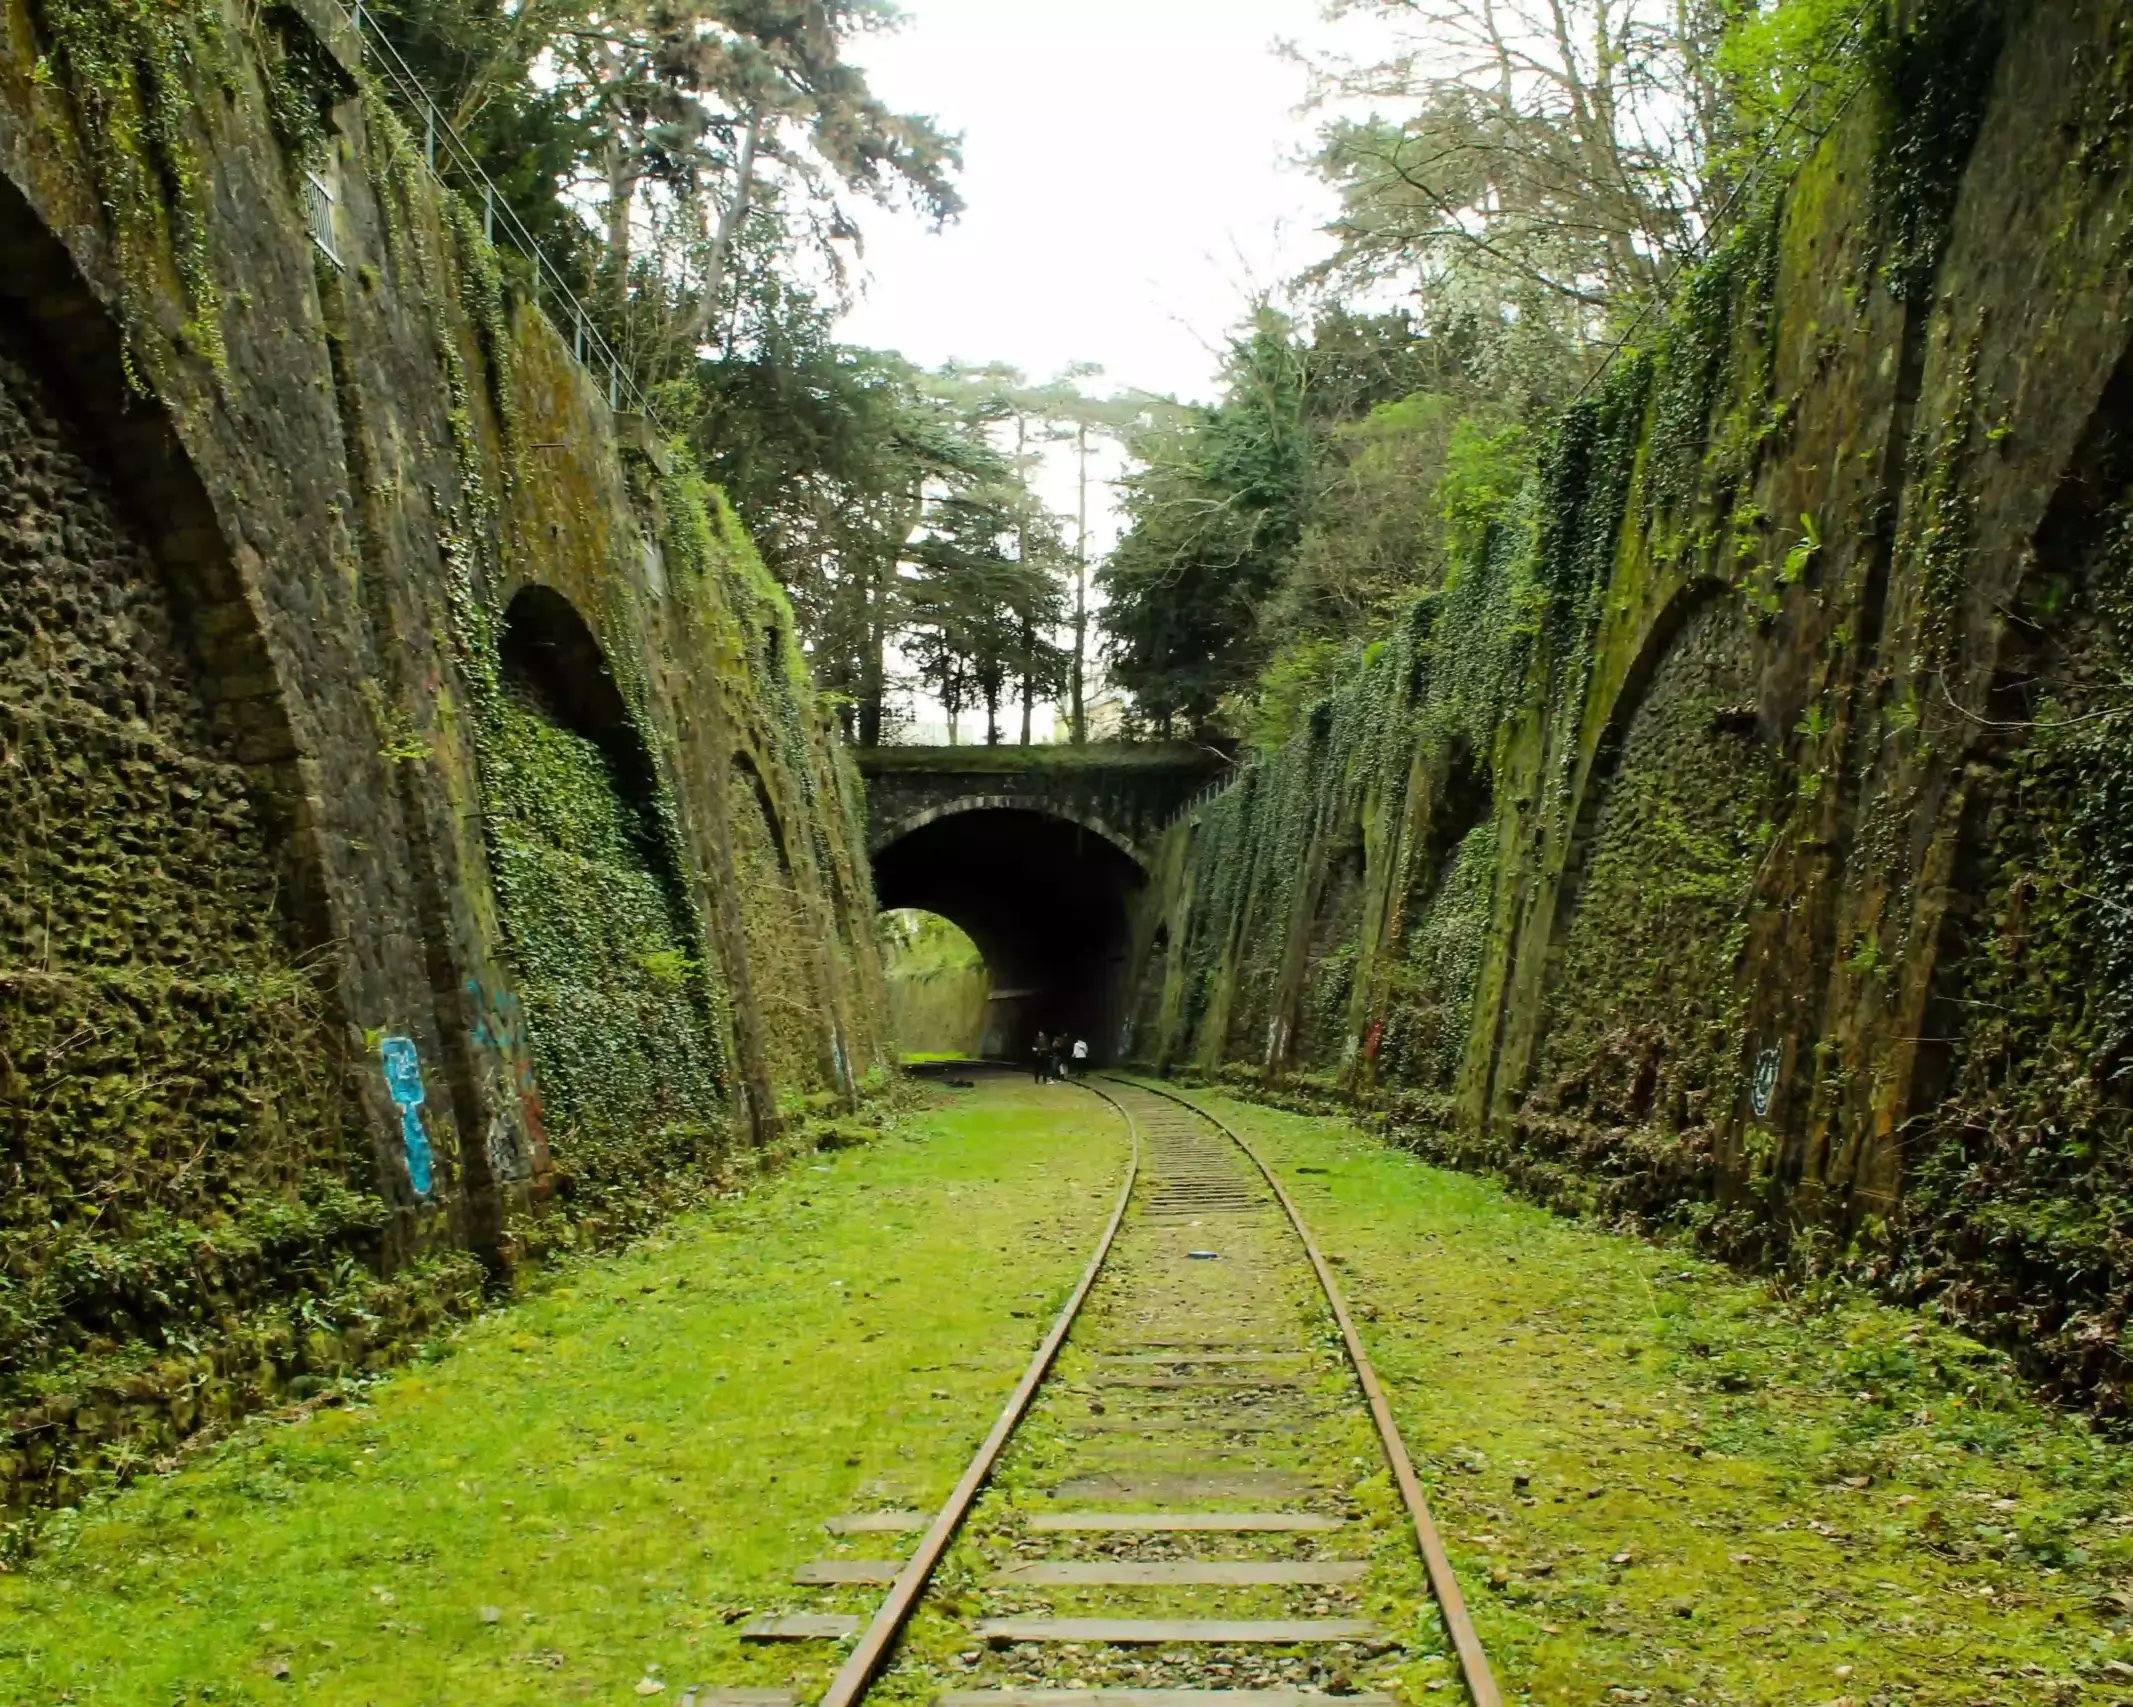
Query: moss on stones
x=128 y=69
x=1792 y=912
x=171 y=1133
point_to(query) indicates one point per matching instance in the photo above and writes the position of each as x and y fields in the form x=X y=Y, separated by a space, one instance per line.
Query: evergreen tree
x=1214 y=509
x=1298 y=513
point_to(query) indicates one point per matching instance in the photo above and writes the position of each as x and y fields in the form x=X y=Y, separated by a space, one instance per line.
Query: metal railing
x=318 y=209
x=551 y=291
x=1221 y=785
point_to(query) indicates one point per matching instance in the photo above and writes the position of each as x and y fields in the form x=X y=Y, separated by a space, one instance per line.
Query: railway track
x=1185 y=1502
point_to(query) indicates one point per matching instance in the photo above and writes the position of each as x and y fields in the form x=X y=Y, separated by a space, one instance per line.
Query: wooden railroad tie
x=1196 y=1573
x=1183 y=1522
x=1150 y=1698
x=878 y=1523
x=1276 y=1631
x=825 y=1573
x=803 y=1627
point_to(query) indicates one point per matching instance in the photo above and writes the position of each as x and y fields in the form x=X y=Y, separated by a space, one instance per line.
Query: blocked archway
x=1636 y=1026
x=595 y=911
x=1443 y=923
x=157 y=899
x=1046 y=900
x=781 y=934
x=2022 y=1095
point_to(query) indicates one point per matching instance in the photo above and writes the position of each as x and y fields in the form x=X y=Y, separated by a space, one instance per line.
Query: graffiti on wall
x=500 y=1025
x=1762 y=1090
x=403 y=1082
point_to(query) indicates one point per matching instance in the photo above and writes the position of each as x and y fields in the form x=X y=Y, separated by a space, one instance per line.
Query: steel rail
x=1443 y=1581
x=865 y=1660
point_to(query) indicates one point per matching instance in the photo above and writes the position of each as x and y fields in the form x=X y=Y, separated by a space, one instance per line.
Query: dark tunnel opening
x=1047 y=903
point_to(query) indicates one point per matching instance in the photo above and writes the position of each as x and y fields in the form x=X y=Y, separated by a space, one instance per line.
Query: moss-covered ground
x=586 y=1490
x=1661 y=1482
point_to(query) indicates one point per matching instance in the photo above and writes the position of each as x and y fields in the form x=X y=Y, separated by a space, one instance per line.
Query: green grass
x=919 y=944
x=1657 y=1477
x=595 y=1481
x=1660 y=1483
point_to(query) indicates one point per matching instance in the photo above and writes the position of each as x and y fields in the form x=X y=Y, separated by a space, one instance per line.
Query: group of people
x=1057 y=1057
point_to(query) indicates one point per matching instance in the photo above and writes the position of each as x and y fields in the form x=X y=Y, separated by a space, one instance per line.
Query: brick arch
x=1046 y=897
x=893 y=833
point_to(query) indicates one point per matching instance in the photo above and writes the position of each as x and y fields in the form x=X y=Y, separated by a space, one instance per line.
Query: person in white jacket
x=1081 y=1056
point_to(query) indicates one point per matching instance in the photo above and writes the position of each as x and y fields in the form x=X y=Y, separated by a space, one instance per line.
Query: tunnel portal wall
x=1047 y=900
x=1739 y=841
x=423 y=843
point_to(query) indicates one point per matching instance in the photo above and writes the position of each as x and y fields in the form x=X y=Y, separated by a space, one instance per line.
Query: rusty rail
x=865 y=1660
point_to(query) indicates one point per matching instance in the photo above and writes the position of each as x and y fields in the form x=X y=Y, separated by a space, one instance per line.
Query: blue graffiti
x=403 y=1082
x=498 y=1026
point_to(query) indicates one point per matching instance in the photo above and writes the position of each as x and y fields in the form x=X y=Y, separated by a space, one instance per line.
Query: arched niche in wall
x=158 y=889
x=1330 y=953
x=1443 y=925
x=772 y=820
x=1650 y=917
x=1144 y=1039
x=781 y=938
x=2023 y=1093
x=596 y=913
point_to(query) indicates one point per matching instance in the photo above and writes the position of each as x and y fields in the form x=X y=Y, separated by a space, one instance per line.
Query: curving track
x=1177 y=1496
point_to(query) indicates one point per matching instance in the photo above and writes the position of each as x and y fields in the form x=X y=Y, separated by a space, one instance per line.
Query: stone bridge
x=1125 y=794
x=1037 y=852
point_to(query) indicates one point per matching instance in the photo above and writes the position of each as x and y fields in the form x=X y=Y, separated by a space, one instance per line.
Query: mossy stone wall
x=940 y=1011
x=310 y=849
x=172 y=1142
x=1642 y=1023
x=1736 y=842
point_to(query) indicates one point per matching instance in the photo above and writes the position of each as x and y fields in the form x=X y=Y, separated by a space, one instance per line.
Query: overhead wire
x=1699 y=251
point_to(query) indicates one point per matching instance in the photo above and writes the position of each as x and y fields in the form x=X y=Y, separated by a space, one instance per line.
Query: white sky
x=1129 y=180
x=1125 y=166
x=1128 y=170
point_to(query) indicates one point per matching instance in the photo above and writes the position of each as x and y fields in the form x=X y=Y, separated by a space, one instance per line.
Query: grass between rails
x=1153 y=1292
x=1660 y=1482
x=587 y=1488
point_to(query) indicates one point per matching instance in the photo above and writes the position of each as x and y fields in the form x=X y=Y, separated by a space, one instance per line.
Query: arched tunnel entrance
x=1045 y=899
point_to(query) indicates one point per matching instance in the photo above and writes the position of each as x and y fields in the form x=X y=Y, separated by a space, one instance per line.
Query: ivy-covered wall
x=1738 y=841
x=394 y=741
